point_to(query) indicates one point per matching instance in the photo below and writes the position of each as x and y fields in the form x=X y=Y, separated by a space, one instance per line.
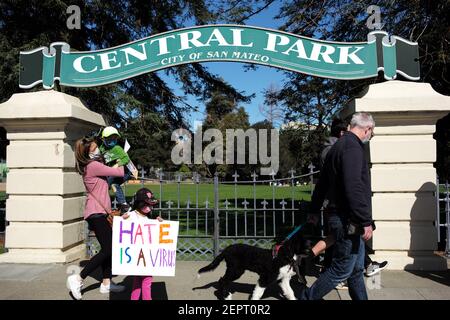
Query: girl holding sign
x=89 y=164
x=143 y=205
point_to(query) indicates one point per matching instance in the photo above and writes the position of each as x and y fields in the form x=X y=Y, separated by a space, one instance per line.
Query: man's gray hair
x=362 y=120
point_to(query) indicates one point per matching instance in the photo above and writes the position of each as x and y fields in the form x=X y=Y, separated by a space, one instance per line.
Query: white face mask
x=95 y=154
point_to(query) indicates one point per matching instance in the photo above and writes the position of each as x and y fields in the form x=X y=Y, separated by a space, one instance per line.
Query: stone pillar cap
x=47 y=104
x=398 y=96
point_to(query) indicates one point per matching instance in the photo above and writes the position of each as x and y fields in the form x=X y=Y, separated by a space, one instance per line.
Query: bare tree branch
x=268 y=3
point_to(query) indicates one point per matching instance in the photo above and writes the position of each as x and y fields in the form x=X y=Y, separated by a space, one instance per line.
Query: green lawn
x=206 y=192
x=189 y=223
x=226 y=192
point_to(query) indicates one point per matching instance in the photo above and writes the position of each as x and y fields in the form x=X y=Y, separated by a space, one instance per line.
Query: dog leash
x=277 y=247
x=290 y=235
x=294 y=264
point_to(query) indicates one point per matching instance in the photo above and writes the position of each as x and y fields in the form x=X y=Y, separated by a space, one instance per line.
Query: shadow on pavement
x=159 y=291
x=273 y=291
x=442 y=277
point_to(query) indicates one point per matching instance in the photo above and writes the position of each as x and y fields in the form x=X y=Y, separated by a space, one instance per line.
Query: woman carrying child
x=90 y=165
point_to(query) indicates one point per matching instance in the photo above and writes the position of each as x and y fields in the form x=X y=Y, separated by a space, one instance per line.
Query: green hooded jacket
x=115 y=155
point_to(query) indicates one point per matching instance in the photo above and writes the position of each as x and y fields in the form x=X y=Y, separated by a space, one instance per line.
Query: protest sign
x=144 y=247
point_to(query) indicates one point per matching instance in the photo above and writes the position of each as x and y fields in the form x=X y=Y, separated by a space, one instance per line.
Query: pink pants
x=142 y=284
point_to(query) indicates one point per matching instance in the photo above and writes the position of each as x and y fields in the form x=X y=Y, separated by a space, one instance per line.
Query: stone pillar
x=45 y=194
x=402 y=154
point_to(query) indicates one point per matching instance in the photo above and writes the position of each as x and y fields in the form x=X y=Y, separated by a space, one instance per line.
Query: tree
x=271 y=110
x=145 y=103
x=261 y=125
x=301 y=143
x=184 y=169
x=313 y=100
x=222 y=113
x=218 y=107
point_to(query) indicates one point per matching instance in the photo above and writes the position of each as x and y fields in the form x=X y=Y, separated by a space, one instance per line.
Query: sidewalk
x=48 y=282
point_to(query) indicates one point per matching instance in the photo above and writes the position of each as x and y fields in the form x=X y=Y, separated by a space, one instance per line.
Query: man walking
x=345 y=183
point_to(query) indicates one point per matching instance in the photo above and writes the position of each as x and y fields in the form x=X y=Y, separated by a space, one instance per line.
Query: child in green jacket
x=115 y=156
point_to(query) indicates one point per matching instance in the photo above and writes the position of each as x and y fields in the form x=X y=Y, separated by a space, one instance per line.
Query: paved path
x=22 y=281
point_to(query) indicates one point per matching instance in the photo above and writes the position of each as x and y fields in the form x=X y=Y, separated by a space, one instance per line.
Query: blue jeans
x=116 y=182
x=347 y=264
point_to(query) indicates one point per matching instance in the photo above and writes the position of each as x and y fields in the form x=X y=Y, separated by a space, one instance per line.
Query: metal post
x=311 y=170
x=169 y=206
x=235 y=176
x=161 y=174
x=226 y=203
x=245 y=203
x=283 y=204
x=254 y=176
x=292 y=172
x=178 y=176
x=216 y=214
x=197 y=181
x=273 y=190
x=187 y=213
x=264 y=203
x=143 y=172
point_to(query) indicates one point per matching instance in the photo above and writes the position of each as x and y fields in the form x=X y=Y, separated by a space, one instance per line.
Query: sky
x=251 y=82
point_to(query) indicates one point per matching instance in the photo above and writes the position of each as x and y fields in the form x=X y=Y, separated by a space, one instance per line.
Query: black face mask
x=147 y=210
x=110 y=144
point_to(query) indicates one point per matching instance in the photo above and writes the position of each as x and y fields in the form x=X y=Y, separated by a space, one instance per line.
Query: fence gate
x=256 y=212
x=214 y=214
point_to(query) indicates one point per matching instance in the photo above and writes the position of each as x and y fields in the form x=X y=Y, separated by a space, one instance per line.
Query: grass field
x=200 y=222
x=206 y=192
x=226 y=192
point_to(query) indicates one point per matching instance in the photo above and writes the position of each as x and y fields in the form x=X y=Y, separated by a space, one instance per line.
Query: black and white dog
x=270 y=267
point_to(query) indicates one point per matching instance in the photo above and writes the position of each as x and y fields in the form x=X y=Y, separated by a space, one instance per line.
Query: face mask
x=368 y=137
x=95 y=154
x=110 y=144
x=146 y=209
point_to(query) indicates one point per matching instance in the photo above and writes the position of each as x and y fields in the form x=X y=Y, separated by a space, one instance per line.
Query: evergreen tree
x=313 y=100
x=145 y=103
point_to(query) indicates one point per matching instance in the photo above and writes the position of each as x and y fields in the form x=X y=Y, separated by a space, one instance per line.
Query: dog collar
x=277 y=247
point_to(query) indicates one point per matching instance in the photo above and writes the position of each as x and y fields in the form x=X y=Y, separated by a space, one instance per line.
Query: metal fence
x=214 y=214
x=443 y=214
x=227 y=217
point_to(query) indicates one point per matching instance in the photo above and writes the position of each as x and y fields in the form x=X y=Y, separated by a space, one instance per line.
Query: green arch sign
x=239 y=43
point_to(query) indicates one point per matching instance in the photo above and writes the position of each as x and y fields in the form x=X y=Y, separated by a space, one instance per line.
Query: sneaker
x=375 y=267
x=112 y=287
x=74 y=285
x=342 y=286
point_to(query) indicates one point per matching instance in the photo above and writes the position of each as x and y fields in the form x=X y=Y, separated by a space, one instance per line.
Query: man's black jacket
x=345 y=182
